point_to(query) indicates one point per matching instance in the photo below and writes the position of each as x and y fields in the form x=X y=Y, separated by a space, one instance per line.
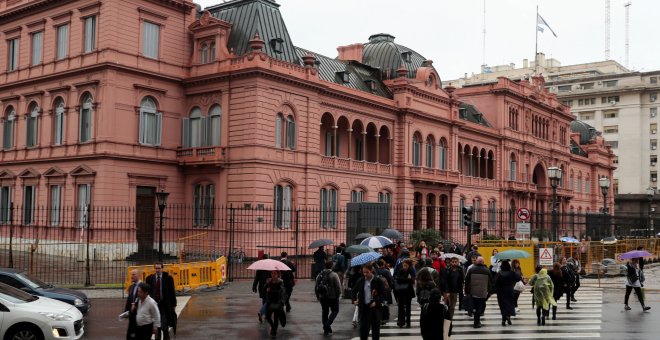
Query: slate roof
x=577 y=150
x=251 y=16
x=586 y=131
x=471 y=114
x=358 y=74
x=382 y=53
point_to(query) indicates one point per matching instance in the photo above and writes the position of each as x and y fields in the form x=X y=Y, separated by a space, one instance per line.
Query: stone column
x=334 y=141
x=350 y=141
x=364 y=145
x=377 y=136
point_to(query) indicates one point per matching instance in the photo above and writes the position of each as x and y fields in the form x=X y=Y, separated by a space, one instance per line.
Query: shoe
x=626 y=307
x=478 y=325
x=261 y=319
x=646 y=308
x=355 y=324
x=517 y=310
x=573 y=299
x=504 y=323
x=543 y=321
x=508 y=320
x=569 y=307
x=273 y=334
x=469 y=315
x=538 y=322
x=329 y=329
x=554 y=316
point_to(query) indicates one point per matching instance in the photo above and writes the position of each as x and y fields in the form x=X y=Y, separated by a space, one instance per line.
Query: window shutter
x=185 y=133
x=62 y=41
x=141 y=128
x=159 y=127
x=278 y=131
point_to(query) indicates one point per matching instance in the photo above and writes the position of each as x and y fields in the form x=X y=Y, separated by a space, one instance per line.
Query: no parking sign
x=523 y=214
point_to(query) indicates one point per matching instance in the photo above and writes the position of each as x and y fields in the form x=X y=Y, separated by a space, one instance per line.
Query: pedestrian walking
x=275 y=302
x=383 y=272
x=147 y=314
x=436 y=262
x=573 y=264
x=478 y=285
x=165 y=296
x=520 y=285
x=340 y=263
x=633 y=281
x=424 y=284
x=543 y=295
x=289 y=279
x=131 y=304
x=494 y=263
x=404 y=289
x=422 y=252
x=559 y=285
x=319 y=261
x=455 y=278
x=369 y=296
x=568 y=281
x=505 y=281
x=328 y=291
x=432 y=317
x=259 y=285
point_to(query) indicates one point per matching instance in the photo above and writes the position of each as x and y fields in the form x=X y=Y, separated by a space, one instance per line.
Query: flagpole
x=536 y=44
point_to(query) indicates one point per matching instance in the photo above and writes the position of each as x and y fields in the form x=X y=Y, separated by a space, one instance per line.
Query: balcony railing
x=434 y=175
x=201 y=155
x=353 y=165
x=520 y=186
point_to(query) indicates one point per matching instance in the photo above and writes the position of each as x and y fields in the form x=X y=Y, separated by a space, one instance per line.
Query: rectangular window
x=54 y=205
x=290 y=133
x=615 y=160
x=5 y=205
x=85 y=123
x=13 y=49
x=587 y=86
x=37 y=47
x=384 y=197
x=442 y=161
x=611 y=129
x=654 y=176
x=150 y=36
x=282 y=206
x=58 y=127
x=150 y=127
x=654 y=144
x=429 y=155
x=587 y=186
x=357 y=196
x=654 y=128
x=278 y=131
x=512 y=170
x=62 y=42
x=204 y=202
x=586 y=115
x=90 y=34
x=610 y=114
x=610 y=83
x=654 y=160
x=581 y=102
x=610 y=100
x=653 y=97
x=84 y=199
x=653 y=112
x=477 y=210
x=328 y=208
x=28 y=204
x=614 y=144
x=564 y=88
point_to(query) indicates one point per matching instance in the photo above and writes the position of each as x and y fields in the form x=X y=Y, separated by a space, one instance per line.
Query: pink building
x=106 y=102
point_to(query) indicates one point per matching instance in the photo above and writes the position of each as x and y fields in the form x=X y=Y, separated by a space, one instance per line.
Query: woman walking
x=633 y=282
x=543 y=295
x=504 y=282
x=516 y=268
x=425 y=284
x=559 y=283
x=404 y=283
x=275 y=302
x=494 y=263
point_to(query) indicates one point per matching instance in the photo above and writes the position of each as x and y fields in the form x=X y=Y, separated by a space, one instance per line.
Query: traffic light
x=476 y=228
x=467 y=217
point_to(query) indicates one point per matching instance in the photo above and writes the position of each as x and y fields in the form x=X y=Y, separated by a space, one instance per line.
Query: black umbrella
x=392 y=234
x=362 y=236
x=320 y=243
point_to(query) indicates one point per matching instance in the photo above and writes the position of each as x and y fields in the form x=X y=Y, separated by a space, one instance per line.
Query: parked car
x=25 y=316
x=613 y=268
x=22 y=280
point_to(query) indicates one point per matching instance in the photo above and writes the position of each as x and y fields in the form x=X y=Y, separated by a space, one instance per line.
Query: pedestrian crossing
x=584 y=321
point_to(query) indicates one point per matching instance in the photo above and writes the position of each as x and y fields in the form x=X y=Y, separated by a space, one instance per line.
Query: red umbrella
x=268 y=264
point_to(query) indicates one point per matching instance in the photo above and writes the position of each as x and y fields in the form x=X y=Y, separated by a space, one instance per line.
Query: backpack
x=339 y=263
x=322 y=288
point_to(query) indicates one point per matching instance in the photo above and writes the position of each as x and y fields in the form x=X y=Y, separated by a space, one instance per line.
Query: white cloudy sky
x=450 y=32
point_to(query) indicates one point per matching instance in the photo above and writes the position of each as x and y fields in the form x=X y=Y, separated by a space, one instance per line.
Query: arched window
x=578 y=186
x=329 y=207
x=442 y=154
x=587 y=185
x=205 y=55
x=32 y=133
x=285 y=131
x=58 y=123
x=282 y=199
x=215 y=116
x=290 y=132
x=357 y=195
x=429 y=152
x=513 y=168
x=86 y=118
x=416 y=151
x=385 y=197
x=212 y=53
x=194 y=128
x=8 y=128
x=151 y=122
x=204 y=202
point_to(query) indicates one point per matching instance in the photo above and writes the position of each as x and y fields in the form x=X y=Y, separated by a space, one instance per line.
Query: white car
x=27 y=317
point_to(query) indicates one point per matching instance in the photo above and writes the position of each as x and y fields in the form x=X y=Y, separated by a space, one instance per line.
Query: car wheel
x=25 y=333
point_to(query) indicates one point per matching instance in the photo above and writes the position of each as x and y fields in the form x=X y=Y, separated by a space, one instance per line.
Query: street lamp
x=649 y=193
x=554 y=173
x=162 y=203
x=604 y=183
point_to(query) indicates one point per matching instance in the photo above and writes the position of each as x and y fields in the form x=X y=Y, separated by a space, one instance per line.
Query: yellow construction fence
x=190 y=275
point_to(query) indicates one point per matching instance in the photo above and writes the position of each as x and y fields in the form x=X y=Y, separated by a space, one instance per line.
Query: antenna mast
x=607 y=29
x=627 y=6
x=483 y=56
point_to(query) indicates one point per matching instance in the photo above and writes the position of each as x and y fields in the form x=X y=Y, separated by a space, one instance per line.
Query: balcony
x=519 y=186
x=479 y=182
x=353 y=165
x=201 y=155
x=434 y=175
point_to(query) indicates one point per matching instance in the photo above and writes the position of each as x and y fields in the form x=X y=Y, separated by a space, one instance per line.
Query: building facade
x=107 y=102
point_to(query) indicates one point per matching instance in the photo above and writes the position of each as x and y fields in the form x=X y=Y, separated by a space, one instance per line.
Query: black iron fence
x=94 y=245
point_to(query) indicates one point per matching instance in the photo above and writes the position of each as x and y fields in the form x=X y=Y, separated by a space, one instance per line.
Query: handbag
x=400 y=287
x=519 y=287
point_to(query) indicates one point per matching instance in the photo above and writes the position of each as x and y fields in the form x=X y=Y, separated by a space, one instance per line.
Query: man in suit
x=289 y=278
x=130 y=305
x=162 y=291
x=369 y=295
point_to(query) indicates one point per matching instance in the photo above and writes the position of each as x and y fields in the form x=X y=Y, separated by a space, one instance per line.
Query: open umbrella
x=320 y=243
x=358 y=249
x=447 y=256
x=569 y=239
x=609 y=240
x=392 y=234
x=365 y=258
x=376 y=242
x=635 y=254
x=268 y=264
x=362 y=236
x=512 y=254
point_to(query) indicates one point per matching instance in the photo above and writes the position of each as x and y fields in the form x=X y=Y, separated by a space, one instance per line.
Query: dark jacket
x=377 y=291
x=289 y=276
x=385 y=273
x=260 y=278
x=432 y=321
x=405 y=278
x=131 y=297
x=478 y=282
x=455 y=279
x=334 y=285
x=168 y=297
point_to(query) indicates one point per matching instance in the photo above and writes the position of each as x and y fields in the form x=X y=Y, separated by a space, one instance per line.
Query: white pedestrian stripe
x=584 y=321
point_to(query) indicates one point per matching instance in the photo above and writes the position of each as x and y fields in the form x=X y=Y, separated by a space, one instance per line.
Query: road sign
x=523 y=228
x=523 y=214
x=545 y=256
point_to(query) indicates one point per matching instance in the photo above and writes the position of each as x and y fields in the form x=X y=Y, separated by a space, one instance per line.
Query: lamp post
x=554 y=173
x=604 y=183
x=649 y=193
x=161 y=196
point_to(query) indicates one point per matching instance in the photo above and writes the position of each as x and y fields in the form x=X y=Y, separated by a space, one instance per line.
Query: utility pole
x=627 y=6
x=607 y=29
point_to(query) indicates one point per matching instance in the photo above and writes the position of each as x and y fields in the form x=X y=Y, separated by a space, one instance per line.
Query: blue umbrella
x=376 y=242
x=512 y=254
x=569 y=239
x=365 y=258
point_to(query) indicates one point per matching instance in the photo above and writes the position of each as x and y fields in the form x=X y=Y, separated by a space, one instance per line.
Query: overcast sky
x=450 y=32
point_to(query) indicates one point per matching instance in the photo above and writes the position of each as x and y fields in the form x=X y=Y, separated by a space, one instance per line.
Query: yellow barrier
x=188 y=275
x=527 y=265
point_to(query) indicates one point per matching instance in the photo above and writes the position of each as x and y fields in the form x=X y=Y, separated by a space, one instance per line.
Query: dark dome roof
x=586 y=131
x=381 y=52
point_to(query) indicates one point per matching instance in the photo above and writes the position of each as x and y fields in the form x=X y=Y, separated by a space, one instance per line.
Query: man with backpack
x=328 y=291
x=339 y=264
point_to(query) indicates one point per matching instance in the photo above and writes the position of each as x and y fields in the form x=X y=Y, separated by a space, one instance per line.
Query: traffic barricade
x=190 y=275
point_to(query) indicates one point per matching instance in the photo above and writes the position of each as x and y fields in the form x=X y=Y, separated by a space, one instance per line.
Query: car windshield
x=32 y=281
x=14 y=295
